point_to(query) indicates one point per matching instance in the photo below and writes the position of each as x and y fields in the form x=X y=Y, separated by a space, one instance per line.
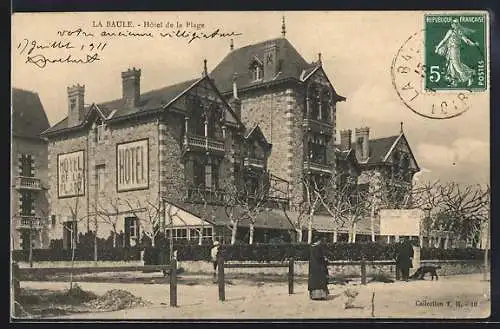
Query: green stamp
x=455 y=52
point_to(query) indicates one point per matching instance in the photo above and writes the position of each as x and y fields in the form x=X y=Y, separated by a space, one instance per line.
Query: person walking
x=214 y=255
x=404 y=258
x=318 y=272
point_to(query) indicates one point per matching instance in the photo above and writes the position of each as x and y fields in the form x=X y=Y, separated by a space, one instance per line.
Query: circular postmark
x=408 y=74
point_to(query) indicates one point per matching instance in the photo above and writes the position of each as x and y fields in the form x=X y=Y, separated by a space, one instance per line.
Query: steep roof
x=28 y=116
x=149 y=101
x=379 y=148
x=238 y=61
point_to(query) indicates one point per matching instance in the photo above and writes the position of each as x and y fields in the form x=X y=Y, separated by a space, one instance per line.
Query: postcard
x=279 y=165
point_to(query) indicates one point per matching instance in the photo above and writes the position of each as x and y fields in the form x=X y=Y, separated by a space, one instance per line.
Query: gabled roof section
x=347 y=155
x=319 y=70
x=401 y=139
x=379 y=148
x=28 y=115
x=238 y=61
x=150 y=102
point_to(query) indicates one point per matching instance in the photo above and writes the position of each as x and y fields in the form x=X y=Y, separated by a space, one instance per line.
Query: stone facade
x=174 y=154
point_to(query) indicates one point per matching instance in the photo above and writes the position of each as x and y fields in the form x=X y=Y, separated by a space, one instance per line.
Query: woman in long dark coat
x=318 y=272
x=404 y=258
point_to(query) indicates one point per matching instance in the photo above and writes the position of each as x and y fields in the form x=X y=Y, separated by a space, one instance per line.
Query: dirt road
x=464 y=296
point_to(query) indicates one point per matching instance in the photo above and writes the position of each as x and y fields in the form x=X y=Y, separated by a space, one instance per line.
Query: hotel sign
x=132 y=165
x=71 y=174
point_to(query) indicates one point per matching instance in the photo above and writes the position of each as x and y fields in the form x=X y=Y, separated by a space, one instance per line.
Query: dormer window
x=257 y=68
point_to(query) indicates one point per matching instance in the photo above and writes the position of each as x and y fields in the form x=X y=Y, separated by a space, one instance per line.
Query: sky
x=357 y=50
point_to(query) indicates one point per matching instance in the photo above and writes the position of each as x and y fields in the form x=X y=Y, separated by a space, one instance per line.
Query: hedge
x=242 y=252
x=82 y=254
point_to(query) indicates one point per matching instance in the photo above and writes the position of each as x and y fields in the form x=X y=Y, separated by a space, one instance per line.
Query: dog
x=423 y=270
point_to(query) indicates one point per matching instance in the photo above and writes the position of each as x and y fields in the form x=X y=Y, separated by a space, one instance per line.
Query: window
x=194 y=234
x=314 y=103
x=197 y=119
x=26 y=165
x=101 y=178
x=257 y=72
x=317 y=153
x=100 y=131
x=27 y=203
x=207 y=233
x=70 y=234
x=359 y=146
x=131 y=230
x=179 y=234
x=325 y=105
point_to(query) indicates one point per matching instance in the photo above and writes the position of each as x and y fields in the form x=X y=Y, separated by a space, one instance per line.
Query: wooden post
x=220 y=279
x=290 y=276
x=363 y=271
x=173 y=283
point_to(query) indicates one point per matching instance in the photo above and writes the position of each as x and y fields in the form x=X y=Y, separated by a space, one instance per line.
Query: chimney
x=270 y=61
x=362 y=143
x=76 y=105
x=235 y=102
x=345 y=139
x=131 y=86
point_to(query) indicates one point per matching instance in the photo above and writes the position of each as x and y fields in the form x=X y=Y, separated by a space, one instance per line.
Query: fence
x=221 y=279
x=20 y=274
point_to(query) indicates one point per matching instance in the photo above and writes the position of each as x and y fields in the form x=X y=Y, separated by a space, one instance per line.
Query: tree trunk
x=252 y=230
x=438 y=243
x=233 y=232
x=95 y=241
x=309 y=229
x=335 y=236
x=153 y=238
x=354 y=233
x=72 y=260
x=372 y=223
x=114 y=235
x=446 y=241
x=299 y=236
x=200 y=237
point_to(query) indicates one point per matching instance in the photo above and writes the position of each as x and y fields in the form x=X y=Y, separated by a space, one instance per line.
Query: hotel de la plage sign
x=71 y=174
x=132 y=163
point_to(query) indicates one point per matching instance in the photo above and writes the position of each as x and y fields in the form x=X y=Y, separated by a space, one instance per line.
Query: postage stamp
x=455 y=55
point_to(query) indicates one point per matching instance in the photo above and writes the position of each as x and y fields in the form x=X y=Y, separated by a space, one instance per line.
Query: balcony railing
x=203 y=142
x=28 y=183
x=323 y=127
x=254 y=162
x=27 y=222
x=317 y=167
x=205 y=195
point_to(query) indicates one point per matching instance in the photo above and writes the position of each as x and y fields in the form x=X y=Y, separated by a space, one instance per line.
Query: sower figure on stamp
x=318 y=272
x=404 y=258
x=449 y=47
x=214 y=255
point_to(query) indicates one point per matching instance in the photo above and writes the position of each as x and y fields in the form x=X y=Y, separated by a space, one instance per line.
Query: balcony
x=27 y=222
x=254 y=162
x=205 y=195
x=28 y=183
x=195 y=142
x=317 y=126
x=321 y=168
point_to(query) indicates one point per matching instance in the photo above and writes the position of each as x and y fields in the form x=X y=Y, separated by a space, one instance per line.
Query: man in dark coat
x=318 y=272
x=404 y=258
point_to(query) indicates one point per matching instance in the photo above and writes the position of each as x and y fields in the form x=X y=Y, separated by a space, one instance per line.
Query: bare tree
x=150 y=213
x=298 y=222
x=252 y=199
x=108 y=213
x=452 y=208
